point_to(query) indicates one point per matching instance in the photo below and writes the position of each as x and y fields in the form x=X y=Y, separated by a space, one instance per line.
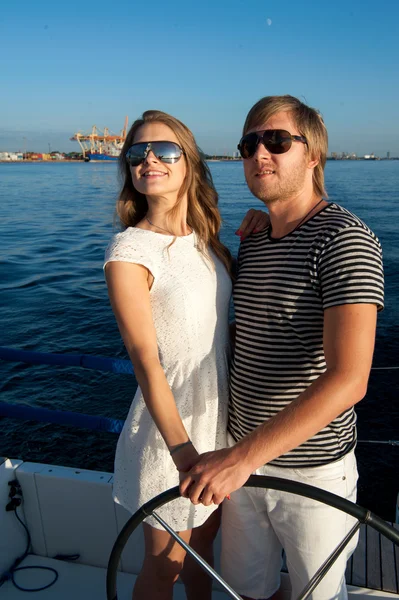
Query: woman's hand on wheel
x=185 y=458
x=214 y=476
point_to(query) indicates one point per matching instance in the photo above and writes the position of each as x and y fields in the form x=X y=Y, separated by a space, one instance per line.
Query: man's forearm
x=324 y=400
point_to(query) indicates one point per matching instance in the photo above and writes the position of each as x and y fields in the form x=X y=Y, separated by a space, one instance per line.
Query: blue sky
x=68 y=65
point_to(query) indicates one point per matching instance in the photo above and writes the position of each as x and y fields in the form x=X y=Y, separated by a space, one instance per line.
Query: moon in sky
x=269 y=22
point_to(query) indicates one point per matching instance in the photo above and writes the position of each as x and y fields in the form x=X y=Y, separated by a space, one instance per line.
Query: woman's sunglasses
x=167 y=152
x=277 y=141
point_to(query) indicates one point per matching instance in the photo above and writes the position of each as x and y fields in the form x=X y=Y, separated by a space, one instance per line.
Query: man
x=306 y=300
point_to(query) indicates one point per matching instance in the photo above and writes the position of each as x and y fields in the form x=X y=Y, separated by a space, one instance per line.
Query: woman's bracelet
x=179 y=447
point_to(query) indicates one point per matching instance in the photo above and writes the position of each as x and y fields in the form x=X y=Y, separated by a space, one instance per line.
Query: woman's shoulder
x=129 y=245
x=122 y=239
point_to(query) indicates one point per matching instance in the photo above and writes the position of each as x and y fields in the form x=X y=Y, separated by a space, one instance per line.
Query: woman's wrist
x=185 y=458
x=174 y=449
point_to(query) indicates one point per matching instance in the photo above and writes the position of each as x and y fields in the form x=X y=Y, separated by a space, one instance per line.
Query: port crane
x=100 y=142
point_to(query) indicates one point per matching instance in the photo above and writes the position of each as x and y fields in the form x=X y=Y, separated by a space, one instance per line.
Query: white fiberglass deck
x=76 y=581
x=82 y=582
x=70 y=511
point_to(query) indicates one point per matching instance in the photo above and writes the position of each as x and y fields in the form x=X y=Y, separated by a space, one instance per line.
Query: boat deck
x=77 y=581
x=375 y=563
x=71 y=512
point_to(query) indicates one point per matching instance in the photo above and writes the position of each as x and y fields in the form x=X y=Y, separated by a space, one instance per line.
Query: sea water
x=56 y=220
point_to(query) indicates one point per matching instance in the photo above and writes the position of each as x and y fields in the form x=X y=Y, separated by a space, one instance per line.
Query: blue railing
x=98 y=363
x=61 y=417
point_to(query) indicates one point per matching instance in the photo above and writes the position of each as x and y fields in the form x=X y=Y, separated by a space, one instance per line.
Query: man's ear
x=313 y=162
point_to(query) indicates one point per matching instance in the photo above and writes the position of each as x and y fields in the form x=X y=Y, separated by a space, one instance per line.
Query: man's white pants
x=258 y=523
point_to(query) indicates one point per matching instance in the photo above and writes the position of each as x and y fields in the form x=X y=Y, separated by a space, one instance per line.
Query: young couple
x=306 y=296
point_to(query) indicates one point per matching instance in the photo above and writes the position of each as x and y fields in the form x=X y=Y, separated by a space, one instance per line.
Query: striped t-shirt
x=282 y=288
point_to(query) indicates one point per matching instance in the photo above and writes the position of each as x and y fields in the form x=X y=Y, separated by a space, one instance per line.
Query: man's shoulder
x=336 y=220
x=341 y=217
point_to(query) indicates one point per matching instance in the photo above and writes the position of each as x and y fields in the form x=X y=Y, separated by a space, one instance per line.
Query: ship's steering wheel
x=361 y=514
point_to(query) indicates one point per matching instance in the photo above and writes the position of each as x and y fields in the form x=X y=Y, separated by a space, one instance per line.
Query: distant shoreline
x=226 y=160
x=44 y=162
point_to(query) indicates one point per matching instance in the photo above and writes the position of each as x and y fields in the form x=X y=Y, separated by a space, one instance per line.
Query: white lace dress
x=190 y=304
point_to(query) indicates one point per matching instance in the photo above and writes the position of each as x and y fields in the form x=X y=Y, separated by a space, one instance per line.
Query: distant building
x=33 y=156
x=57 y=156
x=388 y=155
x=11 y=156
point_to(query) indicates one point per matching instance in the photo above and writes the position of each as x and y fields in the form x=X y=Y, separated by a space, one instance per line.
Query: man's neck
x=287 y=215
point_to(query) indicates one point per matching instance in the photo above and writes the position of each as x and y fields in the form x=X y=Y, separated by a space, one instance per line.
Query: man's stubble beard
x=283 y=191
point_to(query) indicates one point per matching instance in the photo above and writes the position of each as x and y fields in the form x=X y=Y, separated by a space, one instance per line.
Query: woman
x=169 y=281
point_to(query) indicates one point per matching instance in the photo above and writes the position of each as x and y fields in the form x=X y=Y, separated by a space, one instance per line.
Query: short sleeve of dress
x=127 y=247
x=350 y=269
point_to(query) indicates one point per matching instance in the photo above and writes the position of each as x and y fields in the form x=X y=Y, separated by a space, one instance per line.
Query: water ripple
x=56 y=221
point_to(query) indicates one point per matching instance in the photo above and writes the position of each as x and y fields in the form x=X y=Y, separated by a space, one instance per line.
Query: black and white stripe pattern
x=282 y=289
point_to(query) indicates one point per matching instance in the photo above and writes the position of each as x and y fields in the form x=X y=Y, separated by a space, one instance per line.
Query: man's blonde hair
x=309 y=123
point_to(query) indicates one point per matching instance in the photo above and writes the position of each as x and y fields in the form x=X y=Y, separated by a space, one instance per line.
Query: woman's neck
x=157 y=217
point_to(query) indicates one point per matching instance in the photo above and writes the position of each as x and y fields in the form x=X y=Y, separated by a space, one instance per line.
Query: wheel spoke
x=197 y=558
x=327 y=564
x=361 y=514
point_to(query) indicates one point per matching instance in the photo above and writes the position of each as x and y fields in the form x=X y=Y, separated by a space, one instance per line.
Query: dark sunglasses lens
x=247 y=145
x=136 y=154
x=277 y=141
x=167 y=152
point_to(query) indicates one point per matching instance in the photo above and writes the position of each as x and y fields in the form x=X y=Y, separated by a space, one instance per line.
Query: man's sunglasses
x=166 y=152
x=277 y=141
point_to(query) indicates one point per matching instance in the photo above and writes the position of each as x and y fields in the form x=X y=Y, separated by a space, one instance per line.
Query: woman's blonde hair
x=203 y=216
x=309 y=123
